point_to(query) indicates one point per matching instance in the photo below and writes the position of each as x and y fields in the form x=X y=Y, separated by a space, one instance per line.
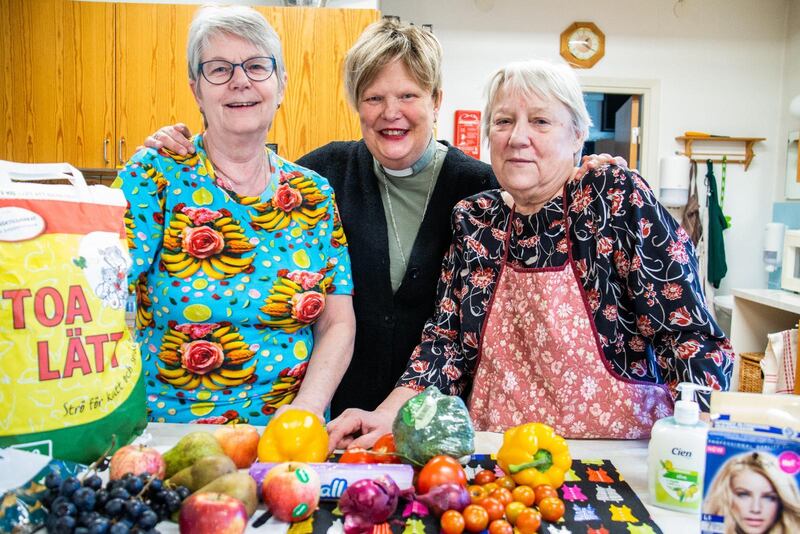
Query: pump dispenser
x=677 y=454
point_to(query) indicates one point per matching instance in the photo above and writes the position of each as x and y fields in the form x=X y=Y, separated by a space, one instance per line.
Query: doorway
x=630 y=121
x=616 y=123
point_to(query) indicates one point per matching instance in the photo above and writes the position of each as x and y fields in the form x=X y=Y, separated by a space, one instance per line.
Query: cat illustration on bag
x=112 y=288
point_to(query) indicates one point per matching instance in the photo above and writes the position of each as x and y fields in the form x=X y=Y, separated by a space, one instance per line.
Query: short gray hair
x=548 y=80
x=384 y=41
x=239 y=21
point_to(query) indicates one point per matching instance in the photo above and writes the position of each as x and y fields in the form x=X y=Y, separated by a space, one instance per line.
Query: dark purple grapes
x=147 y=520
x=94 y=482
x=69 y=486
x=84 y=499
x=134 y=485
x=52 y=480
x=115 y=507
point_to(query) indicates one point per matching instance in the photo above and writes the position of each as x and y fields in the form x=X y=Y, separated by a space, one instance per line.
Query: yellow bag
x=70 y=374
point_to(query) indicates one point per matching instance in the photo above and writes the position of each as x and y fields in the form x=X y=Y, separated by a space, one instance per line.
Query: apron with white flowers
x=540 y=361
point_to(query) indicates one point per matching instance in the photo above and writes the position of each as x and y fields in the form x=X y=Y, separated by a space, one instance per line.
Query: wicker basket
x=751 y=379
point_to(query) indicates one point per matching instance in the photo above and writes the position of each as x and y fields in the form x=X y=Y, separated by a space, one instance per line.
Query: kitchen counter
x=630 y=458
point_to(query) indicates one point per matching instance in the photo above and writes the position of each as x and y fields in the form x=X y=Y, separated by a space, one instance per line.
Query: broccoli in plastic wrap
x=432 y=423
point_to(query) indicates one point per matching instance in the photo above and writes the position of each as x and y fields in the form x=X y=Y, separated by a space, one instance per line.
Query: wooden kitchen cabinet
x=86 y=82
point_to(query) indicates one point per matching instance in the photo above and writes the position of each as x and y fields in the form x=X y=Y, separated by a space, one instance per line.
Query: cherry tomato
x=513 y=510
x=440 y=470
x=452 y=522
x=506 y=482
x=476 y=493
x=475 y=518
x=551 y=508
x=356 y=456
x=385 y=447
x=528 y=521
x=524 y=494
x=502 y=495
x=484 y=477
x=543 y=491
x=500 y=526
x=495 y=508
x=490 y=487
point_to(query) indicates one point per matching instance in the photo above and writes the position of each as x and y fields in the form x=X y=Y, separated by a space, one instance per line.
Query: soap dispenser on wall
x=677 y=455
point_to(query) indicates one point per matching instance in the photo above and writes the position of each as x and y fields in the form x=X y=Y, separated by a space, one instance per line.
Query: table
x=630 y=458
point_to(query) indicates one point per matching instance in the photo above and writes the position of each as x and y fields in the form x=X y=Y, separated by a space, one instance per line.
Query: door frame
x=650 y=90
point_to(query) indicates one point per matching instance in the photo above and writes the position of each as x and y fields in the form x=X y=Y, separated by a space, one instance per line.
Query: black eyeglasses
x=219 y=71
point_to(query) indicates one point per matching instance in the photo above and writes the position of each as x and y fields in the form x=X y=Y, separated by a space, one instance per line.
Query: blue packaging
x=751 y=480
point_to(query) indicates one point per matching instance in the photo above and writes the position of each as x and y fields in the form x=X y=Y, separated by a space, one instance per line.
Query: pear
x=202 y=472
x=238 y=485
x=189 y=449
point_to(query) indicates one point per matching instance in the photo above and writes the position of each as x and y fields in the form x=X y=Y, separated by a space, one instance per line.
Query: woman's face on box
x=756 y=504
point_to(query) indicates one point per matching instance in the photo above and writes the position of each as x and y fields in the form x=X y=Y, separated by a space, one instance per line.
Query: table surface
x=630 y=458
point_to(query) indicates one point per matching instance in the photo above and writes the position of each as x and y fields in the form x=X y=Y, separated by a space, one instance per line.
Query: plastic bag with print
x=70 y=374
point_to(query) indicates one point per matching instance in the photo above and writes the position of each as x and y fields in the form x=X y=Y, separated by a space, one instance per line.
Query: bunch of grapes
x=132 y=504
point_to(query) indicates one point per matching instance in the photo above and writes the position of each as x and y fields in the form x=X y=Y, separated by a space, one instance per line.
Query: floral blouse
x=636 y=264
x=228 y=287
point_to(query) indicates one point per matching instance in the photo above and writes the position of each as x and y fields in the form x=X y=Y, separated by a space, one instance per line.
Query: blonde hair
x=548 y=80
x=720 y=495
x=385 y=41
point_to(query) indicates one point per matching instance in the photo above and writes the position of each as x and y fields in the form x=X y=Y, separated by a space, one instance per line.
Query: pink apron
x=540 y=361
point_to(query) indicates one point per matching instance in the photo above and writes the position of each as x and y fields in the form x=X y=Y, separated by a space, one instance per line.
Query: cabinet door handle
x=105 y=150
x=120 y=155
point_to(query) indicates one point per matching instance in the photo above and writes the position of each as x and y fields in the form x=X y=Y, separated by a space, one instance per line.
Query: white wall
x=720 y=66
x=791 y=88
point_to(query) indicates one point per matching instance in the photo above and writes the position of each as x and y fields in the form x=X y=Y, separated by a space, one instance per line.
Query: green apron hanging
x=717 y=266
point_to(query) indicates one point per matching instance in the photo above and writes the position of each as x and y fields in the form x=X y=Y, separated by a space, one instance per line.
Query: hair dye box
x=751 y=479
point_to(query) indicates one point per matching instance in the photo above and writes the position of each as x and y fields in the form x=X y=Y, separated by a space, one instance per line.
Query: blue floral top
x=637 y=267
x=228 y=287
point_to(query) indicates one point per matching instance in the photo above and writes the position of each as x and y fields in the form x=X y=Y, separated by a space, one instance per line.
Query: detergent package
x=752 y=465
x=71 y=381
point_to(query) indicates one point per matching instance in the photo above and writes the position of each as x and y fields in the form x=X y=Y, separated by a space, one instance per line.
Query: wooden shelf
x=717 y=158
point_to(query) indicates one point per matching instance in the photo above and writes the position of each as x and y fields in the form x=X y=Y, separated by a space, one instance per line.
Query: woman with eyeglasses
x=240 y=264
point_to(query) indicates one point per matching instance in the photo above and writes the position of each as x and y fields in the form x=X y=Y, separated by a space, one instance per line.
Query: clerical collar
x=423 y=161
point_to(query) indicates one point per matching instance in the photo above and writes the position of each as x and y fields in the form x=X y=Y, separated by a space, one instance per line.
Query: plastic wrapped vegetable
x=534 y=454
x=432 y=423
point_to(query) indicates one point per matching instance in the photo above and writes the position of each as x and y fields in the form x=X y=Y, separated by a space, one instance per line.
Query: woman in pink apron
x=568 y=300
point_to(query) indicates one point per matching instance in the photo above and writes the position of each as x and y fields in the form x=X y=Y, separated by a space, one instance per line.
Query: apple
x=239 y=442
x=136 y=459
x=291 y=491
x=212 y=513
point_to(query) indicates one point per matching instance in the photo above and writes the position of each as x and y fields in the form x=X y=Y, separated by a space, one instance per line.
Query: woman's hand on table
x=174 y=138
x=359 y=428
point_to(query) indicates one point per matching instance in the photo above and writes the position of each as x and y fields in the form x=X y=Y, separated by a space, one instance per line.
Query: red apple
x=212 y=513
x=136 y=459
x=291 y=491
x=239 y=442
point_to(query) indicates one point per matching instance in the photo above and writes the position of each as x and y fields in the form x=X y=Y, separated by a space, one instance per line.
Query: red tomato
x=475 y=518
x=384 y=447
x=484 y=477
x=476 y=493
x=440 y=470
x=502 y=495
x=356 y=456
x=528 y=521
x=500 y=526
x=542 y=491
x=551 y=508
x=495 y=508
x=452 y=522
x=506 y=482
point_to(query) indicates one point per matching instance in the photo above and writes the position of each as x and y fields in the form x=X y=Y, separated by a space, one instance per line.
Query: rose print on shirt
x=297 y=199
x=210 y=355
x=296 y=299
x=208 y=240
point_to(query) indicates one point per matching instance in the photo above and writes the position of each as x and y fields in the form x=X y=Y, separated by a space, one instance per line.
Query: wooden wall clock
x=583 y=44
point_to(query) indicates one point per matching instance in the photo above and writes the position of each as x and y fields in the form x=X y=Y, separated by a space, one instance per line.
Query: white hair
x=239 y=21
x=548 y=80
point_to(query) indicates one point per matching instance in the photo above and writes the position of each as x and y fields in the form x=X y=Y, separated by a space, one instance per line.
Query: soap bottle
x=677 y=455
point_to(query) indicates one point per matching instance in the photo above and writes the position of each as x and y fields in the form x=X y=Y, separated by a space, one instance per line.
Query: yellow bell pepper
x=295 y=435
x=533 y=454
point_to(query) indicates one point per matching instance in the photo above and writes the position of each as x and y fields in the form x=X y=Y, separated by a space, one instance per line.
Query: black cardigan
x=388 y=326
